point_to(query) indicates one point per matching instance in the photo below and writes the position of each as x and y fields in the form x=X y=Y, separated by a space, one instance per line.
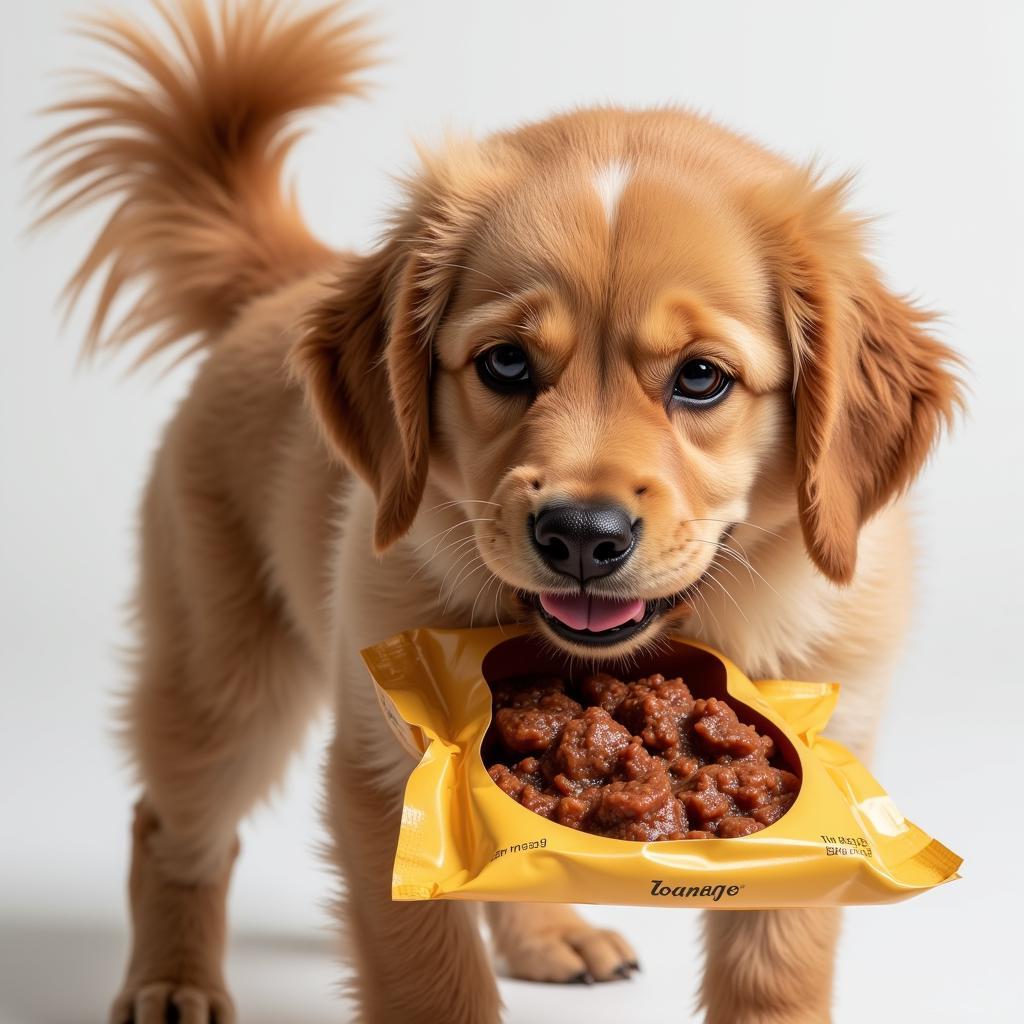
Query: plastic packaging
x=842 y=842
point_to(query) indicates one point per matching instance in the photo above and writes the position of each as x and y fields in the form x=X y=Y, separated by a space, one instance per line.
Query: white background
x=924 y=99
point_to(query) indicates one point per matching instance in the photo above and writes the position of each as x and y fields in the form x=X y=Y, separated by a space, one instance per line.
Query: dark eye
x=504 y=368
x=700 y=382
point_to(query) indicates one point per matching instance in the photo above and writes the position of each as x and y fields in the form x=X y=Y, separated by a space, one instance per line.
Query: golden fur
x=338 y=472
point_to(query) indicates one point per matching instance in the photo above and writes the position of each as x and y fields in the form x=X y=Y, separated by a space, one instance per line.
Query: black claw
x=583 y=978
x=623 y=970
x=634 y=965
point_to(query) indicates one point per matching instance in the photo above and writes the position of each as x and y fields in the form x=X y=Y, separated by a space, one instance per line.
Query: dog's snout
x=584 y=539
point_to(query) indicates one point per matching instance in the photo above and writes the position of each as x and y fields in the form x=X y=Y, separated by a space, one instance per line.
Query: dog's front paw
x=571 y=951
x=163 y=1002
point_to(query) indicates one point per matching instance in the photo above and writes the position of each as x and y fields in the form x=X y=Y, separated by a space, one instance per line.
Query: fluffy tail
x=191 y=140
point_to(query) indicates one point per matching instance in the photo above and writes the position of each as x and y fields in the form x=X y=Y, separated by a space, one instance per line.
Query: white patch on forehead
x=610 y=182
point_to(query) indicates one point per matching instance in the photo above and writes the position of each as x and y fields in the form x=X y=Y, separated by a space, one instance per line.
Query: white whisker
x=472 y=610
x=469 y=570
x=724 y=547
x=493 y=579
x=454 y=546
x=697 y=592
x=468 y=554
x=443 y=533
x=725 y=590
x=721 y=565
x=736 y=522
x=462 y=501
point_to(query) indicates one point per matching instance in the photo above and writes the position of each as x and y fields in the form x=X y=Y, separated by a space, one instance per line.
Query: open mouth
x=593 y=620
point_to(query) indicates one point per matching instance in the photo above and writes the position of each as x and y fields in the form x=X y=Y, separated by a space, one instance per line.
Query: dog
x=619 y=374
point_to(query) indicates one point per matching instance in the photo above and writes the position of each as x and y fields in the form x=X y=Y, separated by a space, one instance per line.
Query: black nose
x=583 y=540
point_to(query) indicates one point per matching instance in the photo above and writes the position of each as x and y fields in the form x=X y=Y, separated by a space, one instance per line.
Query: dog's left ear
x=872 y=388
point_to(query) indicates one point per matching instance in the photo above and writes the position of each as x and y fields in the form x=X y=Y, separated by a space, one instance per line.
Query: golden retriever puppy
x=616 y=374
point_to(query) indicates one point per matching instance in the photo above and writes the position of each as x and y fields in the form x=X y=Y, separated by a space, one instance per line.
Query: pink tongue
x=594 y=613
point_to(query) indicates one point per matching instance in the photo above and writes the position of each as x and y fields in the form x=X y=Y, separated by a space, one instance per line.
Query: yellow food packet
x=842 y=842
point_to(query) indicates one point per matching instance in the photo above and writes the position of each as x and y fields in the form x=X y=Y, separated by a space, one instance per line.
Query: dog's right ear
x=366 y=354
x=364 y=360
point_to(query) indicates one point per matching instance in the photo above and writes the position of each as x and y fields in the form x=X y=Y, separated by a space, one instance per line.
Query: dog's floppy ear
x=364 y=360
x=365 y=357
x=872 y=388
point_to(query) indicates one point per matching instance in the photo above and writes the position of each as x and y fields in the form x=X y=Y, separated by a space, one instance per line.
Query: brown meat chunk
x=588 y=748
x=526 y=692
x=641 y=809
x=531 y=717
x=735 y=825
x=542 y=803
x=604 y=691
x=721 y=792
x=718 y=733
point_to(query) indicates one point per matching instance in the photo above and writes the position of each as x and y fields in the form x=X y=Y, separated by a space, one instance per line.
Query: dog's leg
x=222 y=696
x=416 y=963
x=208 y=750
x=769 y=966
x=551 y=942
x=776 y=966
x=179 y=932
